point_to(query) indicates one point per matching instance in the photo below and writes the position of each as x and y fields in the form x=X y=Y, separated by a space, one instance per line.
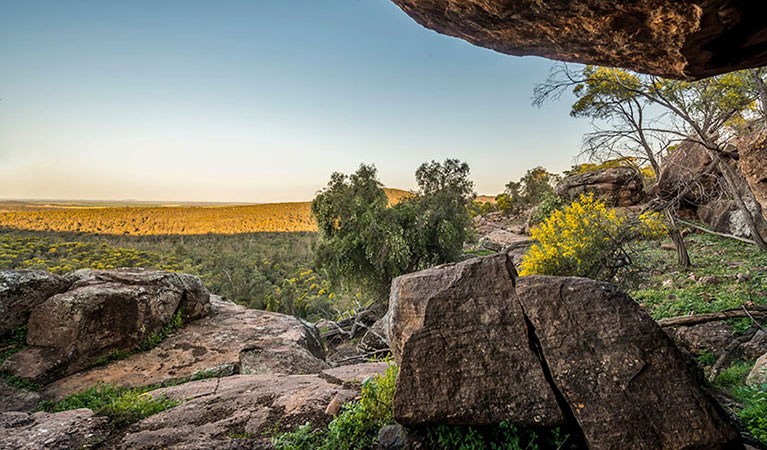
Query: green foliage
x=356 y=427
x=706 y=358
x=13 y=342
x=154 y=339
x=504 y=436
x=366 y=243
x=733 y=376
x=753 y=413
x=535 y=186
x=122 y=405
x=549 y=203
x=586 y=239
x=482 y=208
x=22 y=383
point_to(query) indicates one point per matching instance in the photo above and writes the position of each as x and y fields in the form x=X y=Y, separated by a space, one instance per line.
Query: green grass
x=121 y=405
x=750 y=402
x=13 y=342
x=711 y=256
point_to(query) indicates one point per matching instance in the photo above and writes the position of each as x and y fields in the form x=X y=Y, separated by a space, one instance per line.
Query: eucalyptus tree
x=646 y=114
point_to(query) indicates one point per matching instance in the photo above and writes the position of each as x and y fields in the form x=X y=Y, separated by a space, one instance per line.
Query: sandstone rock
x=752 y=150
x=460 y=338
x=621 y=376
x=687 y=176
x=66 y=430
x=269 y=342
x=754 y=348
x=14 y=399
x=617 y=186
x=503 y=240
x=101 y=313
x=670 y=38
x=216 y=408
x=356 y=373
x=397 y=437
x=758 y=375
x=21 y=291
x=709 y=337
x=726 y=216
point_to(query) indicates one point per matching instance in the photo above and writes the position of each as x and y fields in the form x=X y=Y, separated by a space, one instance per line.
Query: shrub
x=754 y=411
x=586 y=239
x=122 y=405
x=356 y=427
x=550 y=202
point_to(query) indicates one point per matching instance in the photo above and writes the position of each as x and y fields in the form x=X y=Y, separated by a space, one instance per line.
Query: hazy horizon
x=251 y=103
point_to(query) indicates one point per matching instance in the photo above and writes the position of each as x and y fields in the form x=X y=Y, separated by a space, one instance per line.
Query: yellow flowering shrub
x=589 y=240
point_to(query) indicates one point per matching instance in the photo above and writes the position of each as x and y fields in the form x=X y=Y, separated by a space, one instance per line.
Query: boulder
x=21 y=291
x=460 y=338
x=475 y=349
x=709 y=337
x=752 y=152
x=671 y=38
x=255 y=405
x=688 y=175
x=726 y=216
x=74 y=429
x=232 y=339
x=758 y=375
x=617 y=186
x=101 y=313
x=623 y=379
x=14 y=399
x=503 y=241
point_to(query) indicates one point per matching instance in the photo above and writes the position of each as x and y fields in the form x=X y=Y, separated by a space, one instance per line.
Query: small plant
x=122 y=405
x=13 y=342
x=356 y=427
x=753 y=414
x=733 y=376
x=706 y=358
x=21 y=383
x=587 y=239
x=241 y=435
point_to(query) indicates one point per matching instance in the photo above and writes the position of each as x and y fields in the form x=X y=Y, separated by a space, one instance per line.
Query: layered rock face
x=78 y=428
x=619 y=186
x=553 y=350
x=21 y=291
x=671 y=38
x=103 y=312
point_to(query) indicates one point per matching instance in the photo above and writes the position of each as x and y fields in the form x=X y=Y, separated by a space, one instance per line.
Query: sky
x=256 y=101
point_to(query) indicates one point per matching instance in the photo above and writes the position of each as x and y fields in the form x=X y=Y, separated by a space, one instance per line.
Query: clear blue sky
x=255 y=100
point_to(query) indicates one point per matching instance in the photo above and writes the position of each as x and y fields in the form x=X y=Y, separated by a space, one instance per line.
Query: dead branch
x=716 y=233
x=695 y=319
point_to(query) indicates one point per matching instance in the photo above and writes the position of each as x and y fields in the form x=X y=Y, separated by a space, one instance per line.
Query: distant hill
x=143 y=220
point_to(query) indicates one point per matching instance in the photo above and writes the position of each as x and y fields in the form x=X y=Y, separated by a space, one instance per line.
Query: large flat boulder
x=101 y=313
x=671 y=38
x=459 y=335
x=476 y=345
x=624 y=380
x=66 y=430
x=231 y=340
x=21 y=291
x=246 y=405
x=618 y=186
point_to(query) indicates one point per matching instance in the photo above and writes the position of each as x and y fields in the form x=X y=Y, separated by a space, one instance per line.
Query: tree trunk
x=683 y=258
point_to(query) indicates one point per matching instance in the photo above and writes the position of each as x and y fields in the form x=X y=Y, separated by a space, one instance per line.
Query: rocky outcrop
x=66 y=430
x=618 y=186
x=21 y=291
x=688 y=176
x=101 y=313
x=468 y=341
x=249 y=405
x=752 y=150
x=461 y=341
x=503 y=241
x=671 y=38
x=726 y=216
x=232 y=340
x=623 y=379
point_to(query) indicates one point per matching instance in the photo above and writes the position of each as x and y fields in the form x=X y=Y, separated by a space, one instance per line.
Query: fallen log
x=694 y=319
